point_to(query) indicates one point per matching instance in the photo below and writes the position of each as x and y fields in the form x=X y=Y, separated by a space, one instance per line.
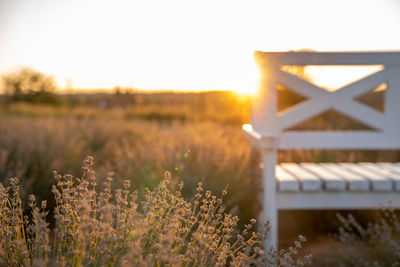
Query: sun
x=177 y=45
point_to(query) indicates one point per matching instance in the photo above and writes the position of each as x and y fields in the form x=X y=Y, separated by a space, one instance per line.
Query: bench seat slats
x=331 y=181
x=378 y=182
x=354 y=181
x=338 y=177
x=308 y=180
x=393 y=166
x=397 y=165
x=386 y=172
x=286 y=181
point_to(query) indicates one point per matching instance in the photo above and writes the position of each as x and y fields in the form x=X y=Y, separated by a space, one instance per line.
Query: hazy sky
x=188 y=45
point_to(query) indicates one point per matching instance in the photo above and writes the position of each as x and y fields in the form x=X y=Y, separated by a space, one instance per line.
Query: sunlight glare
x=177 y=44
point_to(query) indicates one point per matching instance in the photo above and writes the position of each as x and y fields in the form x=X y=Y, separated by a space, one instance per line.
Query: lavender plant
x=373 y=244
x=109 y=228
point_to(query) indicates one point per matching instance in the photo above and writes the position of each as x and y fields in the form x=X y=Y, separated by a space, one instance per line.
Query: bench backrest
x=269 y=123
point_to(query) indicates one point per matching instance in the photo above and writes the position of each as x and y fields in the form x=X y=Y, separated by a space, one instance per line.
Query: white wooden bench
x=322 y=186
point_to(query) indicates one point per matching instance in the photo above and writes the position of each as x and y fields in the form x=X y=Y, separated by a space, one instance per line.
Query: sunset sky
x=183 y=45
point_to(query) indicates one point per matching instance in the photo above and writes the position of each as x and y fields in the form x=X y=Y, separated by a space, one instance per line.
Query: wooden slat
x=355 y=182
x=384 y=171
x=309 y=181
x=336 y=200
x=300 y=85
x=331 y=181
x=363 y=85
x=286 y=181
x=393 y=166
x=328 y=58
x=323 y=140
x=392 y=97
x=338 y=140
x=361 y=113
x=300 y=112
x=378 y=182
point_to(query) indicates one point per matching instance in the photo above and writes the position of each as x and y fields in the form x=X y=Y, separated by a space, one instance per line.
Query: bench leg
x=270 y=212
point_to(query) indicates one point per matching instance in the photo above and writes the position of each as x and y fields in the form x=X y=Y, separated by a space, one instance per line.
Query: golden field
x=195 y=136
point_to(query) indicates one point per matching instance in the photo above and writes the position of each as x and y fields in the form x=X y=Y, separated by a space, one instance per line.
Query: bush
x=371 y=244
x=110 y=228
x=31 y=86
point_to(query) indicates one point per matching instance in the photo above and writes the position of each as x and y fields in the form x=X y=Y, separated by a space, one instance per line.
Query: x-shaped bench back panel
x=267 y=121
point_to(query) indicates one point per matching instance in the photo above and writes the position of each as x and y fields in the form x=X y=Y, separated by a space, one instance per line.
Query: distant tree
x=28 y=81
x=117 y=90
x=30 y=85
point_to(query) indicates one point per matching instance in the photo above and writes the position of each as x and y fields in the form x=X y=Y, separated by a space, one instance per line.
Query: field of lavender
x=111 y=228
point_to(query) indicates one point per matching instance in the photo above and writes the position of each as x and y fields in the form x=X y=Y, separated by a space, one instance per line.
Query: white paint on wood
x=341 y=100
x=300 y=112
x=392 y=100
x=268 y=122
x=385 y=172
x=301 y=86
x=355 y=182
x=378 y=182
x=264 y=142
x=363 y=85
x=393 y=166
x=286 y=181
x=360 y=112
x=336 y=200
x=331 y=181
x=328 y=58
x=338 y=140
x=324 y=140
x=309 y=181
x=268 y=133
x=264 y=106
x=270 y=211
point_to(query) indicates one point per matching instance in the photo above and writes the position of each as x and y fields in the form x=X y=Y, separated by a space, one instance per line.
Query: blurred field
x=196 y=136
x=136 y=141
